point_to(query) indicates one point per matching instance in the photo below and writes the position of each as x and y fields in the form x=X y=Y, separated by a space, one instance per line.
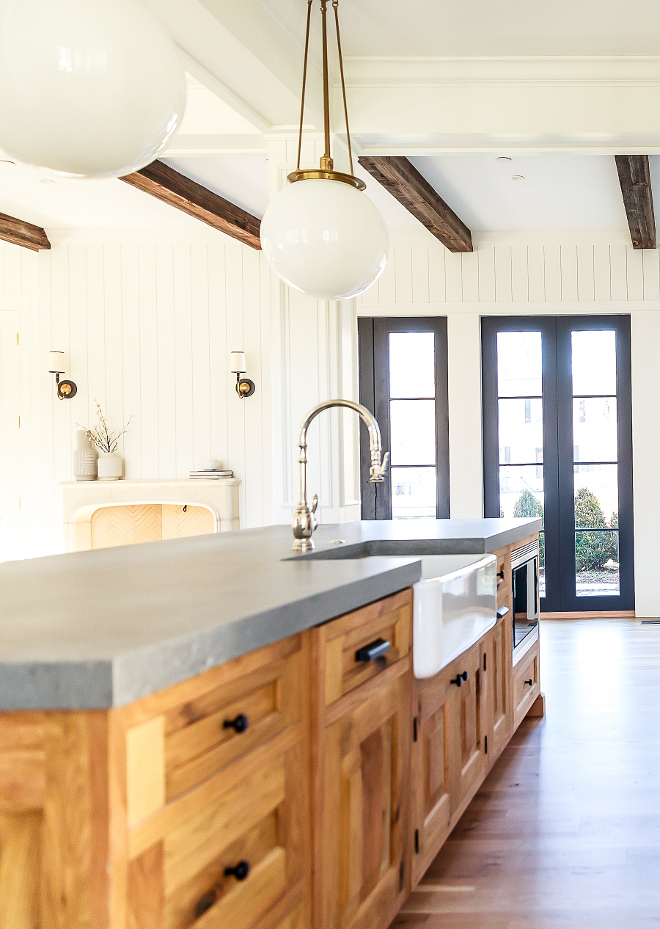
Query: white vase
x=110 y=466
x=84 y=458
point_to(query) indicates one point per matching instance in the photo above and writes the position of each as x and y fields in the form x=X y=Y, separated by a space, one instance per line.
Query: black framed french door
x=557 y=434
x=403 y=381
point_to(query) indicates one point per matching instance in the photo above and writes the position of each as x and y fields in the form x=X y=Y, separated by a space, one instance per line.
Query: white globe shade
x=90 y=88
x=324 y=238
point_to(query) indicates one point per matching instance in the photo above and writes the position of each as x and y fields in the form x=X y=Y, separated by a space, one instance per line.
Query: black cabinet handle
x=240 y=724
x=458 y=680
x=205 y=903
x=502 y=612
x=372 y=651
x=530 y=682
x=239 y=871
x=501 y=574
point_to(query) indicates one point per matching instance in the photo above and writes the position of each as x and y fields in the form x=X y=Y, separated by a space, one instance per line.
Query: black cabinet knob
x=530 y=682
x=458 y=680
x=240 y=724
x=239 y=871
x=501 y=574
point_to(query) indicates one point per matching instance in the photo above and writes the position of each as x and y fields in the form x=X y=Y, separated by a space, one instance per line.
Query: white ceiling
x=220 y=147
x=557 y=191
x=439 y=28
x=241 y=178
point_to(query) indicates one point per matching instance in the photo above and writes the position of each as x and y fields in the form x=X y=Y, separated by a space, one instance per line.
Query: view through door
x=558 y=444
x=403 y=381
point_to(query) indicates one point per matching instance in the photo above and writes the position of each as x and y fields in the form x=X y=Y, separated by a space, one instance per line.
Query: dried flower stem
x=105 y=440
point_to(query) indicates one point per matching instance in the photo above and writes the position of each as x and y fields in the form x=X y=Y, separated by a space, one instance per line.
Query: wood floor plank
x=565 y=831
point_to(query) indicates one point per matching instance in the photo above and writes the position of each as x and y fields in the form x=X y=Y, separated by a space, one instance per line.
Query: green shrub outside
x=528 y=506
x=592 y=549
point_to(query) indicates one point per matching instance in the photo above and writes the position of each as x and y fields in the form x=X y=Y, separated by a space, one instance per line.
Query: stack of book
x=209 y=475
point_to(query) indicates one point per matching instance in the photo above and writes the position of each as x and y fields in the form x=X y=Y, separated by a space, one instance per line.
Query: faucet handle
x=315 y=503
x=378 y=470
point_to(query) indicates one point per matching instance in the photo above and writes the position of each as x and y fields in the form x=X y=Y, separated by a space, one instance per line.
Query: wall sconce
x=58 y=363
x=244 y=386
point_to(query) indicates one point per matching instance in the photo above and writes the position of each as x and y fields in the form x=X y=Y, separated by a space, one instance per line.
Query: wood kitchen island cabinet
x=305 y=785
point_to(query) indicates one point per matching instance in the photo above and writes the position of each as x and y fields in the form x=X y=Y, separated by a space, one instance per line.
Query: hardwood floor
x=565 y=832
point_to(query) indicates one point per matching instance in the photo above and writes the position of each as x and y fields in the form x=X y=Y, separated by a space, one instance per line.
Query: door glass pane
x=519 y=364
x=412 y=432
x=595 y=429
x=521 y=492
x=597 y=563
x=413 y=492
x=596 y=496
x=594 y=362
x=521 y=431
x=412 y=364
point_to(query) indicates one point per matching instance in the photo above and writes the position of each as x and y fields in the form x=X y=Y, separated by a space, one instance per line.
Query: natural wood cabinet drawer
x=226 y=853
x=387 y=620
x=526 y=685
x=211 y=729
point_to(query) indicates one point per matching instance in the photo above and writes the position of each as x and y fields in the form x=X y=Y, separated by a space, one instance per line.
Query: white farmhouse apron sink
x=454 y=604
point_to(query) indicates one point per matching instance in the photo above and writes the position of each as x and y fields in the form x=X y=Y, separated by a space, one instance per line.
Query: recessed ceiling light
x=517 y=177
x=504 y=158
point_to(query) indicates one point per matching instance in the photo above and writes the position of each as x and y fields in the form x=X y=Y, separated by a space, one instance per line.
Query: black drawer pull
x=205 y=903
x=530 y=682
x=240 y=724
x=458 y=680
x=372 y=651
x=239 y=871
x=502 y=612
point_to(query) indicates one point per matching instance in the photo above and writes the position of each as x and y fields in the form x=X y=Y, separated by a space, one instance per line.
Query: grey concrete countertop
x=102 y=628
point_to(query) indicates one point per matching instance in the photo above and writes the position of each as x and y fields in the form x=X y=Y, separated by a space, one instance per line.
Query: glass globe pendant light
x=88 y=88
x=321 y=234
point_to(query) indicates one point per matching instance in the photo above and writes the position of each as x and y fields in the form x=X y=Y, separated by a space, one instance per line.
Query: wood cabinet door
x=361 y=809
x=468 y=725
x=432 y=757
x=499 y=697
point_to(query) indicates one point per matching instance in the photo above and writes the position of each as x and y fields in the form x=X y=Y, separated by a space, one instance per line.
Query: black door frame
x=374 y=384
x=558 y=474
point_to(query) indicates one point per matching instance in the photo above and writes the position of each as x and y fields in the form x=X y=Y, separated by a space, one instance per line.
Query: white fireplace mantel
x=81 y=499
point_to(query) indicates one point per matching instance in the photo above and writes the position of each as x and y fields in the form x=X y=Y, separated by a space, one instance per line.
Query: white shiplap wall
x=149 y=319
x=149 y=326
x=575 y=272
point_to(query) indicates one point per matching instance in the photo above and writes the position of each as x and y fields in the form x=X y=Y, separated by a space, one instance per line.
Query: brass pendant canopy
x=326 y=169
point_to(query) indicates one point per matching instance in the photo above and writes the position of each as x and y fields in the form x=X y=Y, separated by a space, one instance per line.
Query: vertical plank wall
x=149 y=327
x=149 y=320
x=426 y=273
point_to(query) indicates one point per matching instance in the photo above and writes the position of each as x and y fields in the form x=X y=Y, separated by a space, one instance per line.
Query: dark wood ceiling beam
x=166 y=184
x=413 y=191
x=635 y=179
x=21 y=233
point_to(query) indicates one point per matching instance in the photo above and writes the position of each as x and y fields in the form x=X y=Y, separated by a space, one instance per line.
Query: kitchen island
x=184 y=722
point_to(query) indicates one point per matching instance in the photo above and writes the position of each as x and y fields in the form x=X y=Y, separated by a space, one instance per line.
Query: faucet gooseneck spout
x=304 y=521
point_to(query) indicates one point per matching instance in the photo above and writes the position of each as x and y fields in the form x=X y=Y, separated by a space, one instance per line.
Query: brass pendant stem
x=304 y=80
x=335 y=5
x=326 y=169
x=326 y=80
